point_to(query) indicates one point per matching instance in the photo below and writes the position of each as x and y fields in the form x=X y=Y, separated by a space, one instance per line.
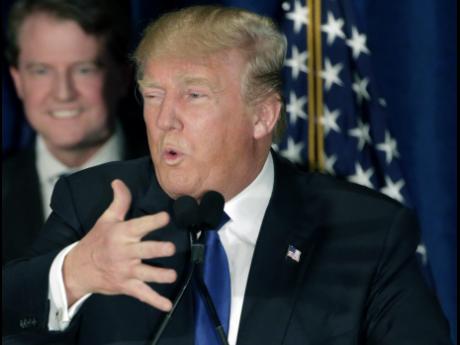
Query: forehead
x=218 y=69
x=43 y=36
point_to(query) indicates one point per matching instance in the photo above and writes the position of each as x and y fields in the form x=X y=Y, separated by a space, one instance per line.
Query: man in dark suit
x=68 y=60
x=310 y=260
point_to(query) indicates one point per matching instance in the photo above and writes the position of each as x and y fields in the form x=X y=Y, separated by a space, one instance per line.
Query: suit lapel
x=275 y=279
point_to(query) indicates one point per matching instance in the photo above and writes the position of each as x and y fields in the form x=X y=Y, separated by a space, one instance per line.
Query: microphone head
x=186 y=213
x=211 y=209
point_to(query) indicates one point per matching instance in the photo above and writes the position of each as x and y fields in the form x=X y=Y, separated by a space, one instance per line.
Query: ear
x=266 y=116
x=14 y=72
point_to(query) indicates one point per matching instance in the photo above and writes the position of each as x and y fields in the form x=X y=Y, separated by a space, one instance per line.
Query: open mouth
x=172 y=153
x=172 y=156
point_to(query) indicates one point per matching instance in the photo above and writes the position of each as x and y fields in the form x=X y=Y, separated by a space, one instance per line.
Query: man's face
x=62 y=79
x=201 y=133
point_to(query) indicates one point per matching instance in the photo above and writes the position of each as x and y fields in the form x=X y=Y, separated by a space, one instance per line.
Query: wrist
x=73 y=288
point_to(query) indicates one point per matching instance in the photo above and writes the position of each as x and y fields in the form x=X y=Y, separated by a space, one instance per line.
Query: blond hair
x=203 y=30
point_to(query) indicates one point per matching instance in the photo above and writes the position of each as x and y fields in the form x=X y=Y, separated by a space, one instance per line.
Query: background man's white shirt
x=50 y=169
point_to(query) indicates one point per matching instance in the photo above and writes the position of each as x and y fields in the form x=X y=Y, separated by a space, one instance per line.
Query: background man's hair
x=102 y=18
x=203 y=30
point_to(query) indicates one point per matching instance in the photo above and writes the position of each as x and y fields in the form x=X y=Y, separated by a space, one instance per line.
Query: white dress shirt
x=238 y=236
x=50 y=169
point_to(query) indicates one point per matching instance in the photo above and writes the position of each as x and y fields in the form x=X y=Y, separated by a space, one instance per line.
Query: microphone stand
x=196 y=258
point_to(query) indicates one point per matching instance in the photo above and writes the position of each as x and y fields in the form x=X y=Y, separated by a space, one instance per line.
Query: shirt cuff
x=60 y=315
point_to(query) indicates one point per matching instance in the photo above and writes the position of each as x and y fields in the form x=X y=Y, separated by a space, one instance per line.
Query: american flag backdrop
x=350 y=134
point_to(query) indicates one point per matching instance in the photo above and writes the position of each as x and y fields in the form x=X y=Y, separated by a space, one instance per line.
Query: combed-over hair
x=204 y=30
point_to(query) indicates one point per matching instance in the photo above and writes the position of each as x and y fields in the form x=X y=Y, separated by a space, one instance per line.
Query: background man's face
x=61 y=79
x=200 y=131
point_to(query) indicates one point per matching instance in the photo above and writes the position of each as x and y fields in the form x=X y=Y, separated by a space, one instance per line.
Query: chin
x=172 y=186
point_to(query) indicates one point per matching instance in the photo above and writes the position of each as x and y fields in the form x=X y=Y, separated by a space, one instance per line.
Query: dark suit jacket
x=357 y=281
x=22 y=211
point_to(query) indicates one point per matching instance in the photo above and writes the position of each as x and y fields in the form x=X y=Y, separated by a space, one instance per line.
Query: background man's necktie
x=216 y=276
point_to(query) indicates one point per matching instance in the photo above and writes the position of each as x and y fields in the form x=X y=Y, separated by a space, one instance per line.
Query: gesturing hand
x=108 y=260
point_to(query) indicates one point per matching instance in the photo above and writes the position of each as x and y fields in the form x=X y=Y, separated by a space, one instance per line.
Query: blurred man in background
x=68 y=61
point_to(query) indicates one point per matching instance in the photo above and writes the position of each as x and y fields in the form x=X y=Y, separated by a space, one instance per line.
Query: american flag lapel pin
x=293 y=253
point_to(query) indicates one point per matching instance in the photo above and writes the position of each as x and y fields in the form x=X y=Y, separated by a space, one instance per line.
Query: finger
x=144 y=293
x=152 y=274
x=121 y=202
x=139 y=227
x=150 y=250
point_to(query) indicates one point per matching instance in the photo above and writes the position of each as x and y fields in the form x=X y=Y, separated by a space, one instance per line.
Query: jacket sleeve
x=25 y=281
x=401 y=308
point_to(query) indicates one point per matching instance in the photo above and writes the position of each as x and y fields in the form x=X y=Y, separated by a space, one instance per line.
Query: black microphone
x=187 y=214
x=211 y=210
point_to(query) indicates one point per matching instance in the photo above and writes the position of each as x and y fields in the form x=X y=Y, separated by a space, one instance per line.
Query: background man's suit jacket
x=22 y=210
x=357 y=281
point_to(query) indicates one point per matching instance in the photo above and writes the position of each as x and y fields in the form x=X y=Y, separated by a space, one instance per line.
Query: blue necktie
x=216 y=276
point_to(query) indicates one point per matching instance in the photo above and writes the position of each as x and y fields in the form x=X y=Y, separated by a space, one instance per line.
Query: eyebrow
x=148 y=84
x=196 y=81
x=186 y=81
x=31 y=64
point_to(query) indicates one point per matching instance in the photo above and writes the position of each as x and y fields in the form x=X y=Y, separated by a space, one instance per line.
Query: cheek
x=35 y=93
x=93 y=93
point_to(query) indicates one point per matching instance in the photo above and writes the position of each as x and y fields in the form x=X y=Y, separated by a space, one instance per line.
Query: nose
x=64 y=90
x=168 y=116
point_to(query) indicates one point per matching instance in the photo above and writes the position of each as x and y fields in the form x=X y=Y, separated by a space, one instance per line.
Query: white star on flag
x=383 y=102
x=360 y=88
x=295 y=108
x=329 y=120
x=357 y=43
x=299 y=16
x=393 y=190
x=329 y=163
x=292 y=151
x=361 y=132
x=330 y=74
x=298 y=62
x=389 y=146
x=362 y=177
x=421 y=250
x=333 y=28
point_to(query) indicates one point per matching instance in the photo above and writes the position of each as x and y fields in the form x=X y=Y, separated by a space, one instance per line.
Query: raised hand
x=108 y=260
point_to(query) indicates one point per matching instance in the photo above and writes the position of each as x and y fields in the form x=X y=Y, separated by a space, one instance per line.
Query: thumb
x=121 y=202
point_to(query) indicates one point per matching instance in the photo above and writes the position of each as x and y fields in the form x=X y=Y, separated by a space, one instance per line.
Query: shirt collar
x=247 y=209
x=49 y=168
